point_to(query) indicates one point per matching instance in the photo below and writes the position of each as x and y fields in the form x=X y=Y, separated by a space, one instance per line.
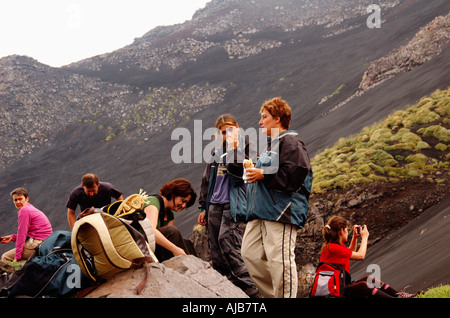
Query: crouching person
x=33 y=228
x=175 y=196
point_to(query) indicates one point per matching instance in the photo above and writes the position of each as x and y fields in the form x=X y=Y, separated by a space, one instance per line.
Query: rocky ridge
x=30 y=90
x=178 y=277
x=426 y=44
x=233 y=25
x=429 y=42
x=60 y=97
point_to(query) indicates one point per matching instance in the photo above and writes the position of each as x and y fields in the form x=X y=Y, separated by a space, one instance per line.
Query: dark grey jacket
x=283 y=194
x=235 y=169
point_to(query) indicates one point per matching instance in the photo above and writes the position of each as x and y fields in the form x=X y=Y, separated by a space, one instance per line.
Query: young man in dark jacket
x=277 y=204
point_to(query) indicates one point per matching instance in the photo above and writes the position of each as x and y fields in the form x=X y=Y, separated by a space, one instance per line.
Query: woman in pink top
x=33 y=228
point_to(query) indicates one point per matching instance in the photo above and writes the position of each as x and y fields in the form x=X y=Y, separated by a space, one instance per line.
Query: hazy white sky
x=58 y=32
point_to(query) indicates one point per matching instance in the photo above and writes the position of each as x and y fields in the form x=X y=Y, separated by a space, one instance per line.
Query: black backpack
x=52 y=271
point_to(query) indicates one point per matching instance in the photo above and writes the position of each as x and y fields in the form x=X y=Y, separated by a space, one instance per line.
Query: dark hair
x=20 y=191
x=179 y=188
x=225 y=119
x=89 y=180
x=278 y=108
x=331 y=234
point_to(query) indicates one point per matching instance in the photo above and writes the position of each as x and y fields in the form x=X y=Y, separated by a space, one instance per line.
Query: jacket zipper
x=253 y=198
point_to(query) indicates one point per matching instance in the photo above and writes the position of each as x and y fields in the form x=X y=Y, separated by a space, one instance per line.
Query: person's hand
x=364 y=231
x=6 y=239
x=177 y=251
x=355 y=230
x=232 y=137
x=202 y=218
x=254 y=174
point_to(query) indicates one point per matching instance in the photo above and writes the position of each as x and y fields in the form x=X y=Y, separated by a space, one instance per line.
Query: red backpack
x=329 y=281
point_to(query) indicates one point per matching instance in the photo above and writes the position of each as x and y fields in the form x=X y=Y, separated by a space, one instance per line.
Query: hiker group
x=268 y=193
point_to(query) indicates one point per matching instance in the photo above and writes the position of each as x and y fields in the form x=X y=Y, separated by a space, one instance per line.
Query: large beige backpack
x=105 y=245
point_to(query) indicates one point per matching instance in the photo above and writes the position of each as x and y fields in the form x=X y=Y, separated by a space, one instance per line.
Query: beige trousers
x=28 y=250
x=268 y=253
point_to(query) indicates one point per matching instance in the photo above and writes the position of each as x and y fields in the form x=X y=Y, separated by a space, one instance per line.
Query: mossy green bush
x=389 y=150
x=442 y=291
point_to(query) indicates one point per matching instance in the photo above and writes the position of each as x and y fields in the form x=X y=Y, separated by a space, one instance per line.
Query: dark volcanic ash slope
x=228 y=58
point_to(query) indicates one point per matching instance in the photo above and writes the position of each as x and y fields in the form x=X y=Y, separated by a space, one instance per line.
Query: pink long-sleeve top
x=32 y=223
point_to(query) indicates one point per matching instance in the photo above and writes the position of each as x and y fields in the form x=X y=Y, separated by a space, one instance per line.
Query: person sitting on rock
x=33 y=228
x=174 y=196
x=335 y=234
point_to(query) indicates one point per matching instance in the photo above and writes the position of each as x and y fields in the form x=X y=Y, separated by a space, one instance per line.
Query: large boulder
x=178 y=277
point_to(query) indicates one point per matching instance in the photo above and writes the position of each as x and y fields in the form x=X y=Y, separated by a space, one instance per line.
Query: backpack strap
x=162 y=210
x=335 y=266
x=137 y=263
x=347 y=276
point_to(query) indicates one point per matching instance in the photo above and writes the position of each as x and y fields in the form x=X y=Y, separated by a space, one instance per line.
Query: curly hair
x=278 y=108
x=179 y=188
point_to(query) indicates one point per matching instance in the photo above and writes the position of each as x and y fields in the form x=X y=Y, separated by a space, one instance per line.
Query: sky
x=59 y=32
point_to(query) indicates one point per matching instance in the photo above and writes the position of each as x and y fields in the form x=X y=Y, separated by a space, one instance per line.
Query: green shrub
x=436 y=131
x=422 y=145
x=424 y=116
x=389 y=150
x=441 y=147
x=16 y=265
x=417 y=158
x=442 y=291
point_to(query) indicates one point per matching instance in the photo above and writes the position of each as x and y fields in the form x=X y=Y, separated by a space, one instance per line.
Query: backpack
x=105 y=245
x=329 y=281
x=51 y=271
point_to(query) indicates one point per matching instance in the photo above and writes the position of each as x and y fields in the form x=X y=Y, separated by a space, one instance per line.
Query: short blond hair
x=278 y=108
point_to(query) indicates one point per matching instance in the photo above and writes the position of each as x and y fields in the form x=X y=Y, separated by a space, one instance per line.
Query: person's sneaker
x=402 y=294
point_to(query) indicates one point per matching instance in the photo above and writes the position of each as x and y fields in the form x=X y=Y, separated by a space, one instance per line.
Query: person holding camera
x=335 y=234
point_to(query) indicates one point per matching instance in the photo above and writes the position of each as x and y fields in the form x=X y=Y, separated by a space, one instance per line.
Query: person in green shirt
x=174 y=196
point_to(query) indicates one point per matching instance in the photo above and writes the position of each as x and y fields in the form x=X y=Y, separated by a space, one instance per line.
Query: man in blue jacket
x=277 y=204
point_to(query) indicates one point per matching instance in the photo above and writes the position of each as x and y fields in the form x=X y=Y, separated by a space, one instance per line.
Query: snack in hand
x=248 y=163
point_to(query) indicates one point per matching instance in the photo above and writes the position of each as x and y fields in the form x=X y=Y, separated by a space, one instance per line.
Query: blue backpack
x=51 y=272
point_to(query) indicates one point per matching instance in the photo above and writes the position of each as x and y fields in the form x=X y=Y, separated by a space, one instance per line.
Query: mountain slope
x=122 y=107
